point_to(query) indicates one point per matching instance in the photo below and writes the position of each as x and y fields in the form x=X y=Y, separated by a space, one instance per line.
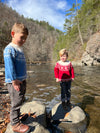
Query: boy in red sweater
x=64 y=73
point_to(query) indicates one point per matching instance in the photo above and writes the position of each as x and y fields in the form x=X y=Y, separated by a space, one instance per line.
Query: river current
x=85 y=90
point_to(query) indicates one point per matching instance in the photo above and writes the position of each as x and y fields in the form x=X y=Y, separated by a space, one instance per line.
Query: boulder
x=1 y=73
x=37 y=124
x=75 y=115
x=73 y=120
x=92 y=54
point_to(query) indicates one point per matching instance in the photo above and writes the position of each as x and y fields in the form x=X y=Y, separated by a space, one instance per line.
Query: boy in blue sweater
x=15 y=75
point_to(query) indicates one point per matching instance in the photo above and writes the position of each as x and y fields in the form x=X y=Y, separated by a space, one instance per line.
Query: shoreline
x=4 y=104
x=74 y=63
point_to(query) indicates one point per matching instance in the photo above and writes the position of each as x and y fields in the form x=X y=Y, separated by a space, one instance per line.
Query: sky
x=51 y=11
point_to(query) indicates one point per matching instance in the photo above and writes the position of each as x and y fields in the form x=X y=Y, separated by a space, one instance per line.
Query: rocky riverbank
x=4 y=103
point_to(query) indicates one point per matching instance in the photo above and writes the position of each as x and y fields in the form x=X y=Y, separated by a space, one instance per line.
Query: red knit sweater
x=64 y=71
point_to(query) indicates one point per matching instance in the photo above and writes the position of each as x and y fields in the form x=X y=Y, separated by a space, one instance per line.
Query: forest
x=81 y=22
x=44 y=41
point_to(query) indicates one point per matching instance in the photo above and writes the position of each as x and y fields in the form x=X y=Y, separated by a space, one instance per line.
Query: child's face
x=18 y=38
x=63 y=58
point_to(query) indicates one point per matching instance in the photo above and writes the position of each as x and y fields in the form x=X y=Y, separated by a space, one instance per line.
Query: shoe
x=20 y=128
x=64 y=105
x=23 y=117
x=69 y=104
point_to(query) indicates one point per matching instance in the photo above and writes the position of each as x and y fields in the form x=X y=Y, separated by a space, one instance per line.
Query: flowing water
x=85 y=90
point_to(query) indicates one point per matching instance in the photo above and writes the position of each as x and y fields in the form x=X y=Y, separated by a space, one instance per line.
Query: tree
x=72 y=19
x=69 y=20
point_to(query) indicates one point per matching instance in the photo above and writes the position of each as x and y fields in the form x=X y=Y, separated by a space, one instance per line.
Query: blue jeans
x=65 y=91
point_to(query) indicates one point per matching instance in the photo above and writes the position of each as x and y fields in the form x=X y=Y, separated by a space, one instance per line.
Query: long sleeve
x=56 y=71
x=72 y=72
x=9 y=64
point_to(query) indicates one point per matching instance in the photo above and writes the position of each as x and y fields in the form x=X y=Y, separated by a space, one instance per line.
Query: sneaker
x=64 y=105
x=69 y=104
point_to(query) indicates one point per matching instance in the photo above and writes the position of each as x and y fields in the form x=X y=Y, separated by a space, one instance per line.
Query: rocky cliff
x=92 y=54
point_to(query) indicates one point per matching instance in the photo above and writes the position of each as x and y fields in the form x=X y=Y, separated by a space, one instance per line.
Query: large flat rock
x=72 y=120
x=37 y=124
x=75 y=115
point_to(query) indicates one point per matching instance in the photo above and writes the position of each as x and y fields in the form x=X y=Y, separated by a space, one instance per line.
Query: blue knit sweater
x=15 y=64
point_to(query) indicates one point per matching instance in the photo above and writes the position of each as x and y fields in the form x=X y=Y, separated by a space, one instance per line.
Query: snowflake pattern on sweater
x=64 y=71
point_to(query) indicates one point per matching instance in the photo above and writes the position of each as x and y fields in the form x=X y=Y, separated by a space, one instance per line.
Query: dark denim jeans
x=65 y=91
x=17 y=98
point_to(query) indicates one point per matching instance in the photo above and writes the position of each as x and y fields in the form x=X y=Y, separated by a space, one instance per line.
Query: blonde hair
x=19 y=28
x=62 y=52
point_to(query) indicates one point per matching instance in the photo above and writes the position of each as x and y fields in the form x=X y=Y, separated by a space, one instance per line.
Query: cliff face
x=92 y=54
x=40 y=42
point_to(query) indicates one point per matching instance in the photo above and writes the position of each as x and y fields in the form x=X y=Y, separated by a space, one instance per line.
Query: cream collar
x=64 y=63
x=19 y=48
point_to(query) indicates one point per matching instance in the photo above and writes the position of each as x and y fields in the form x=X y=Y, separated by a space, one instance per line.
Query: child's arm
x=56 y=72
x=72 y=72
x=9 y=64
x=10 y=71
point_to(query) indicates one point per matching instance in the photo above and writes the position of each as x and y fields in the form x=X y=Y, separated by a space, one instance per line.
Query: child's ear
x=12 y=33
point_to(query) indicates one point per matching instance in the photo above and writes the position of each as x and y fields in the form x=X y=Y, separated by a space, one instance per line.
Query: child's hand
x=57 y=80
x=72 y=79
x=16 y=84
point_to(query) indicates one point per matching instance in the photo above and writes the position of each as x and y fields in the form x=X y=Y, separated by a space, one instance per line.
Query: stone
x=30 y=72
x=92 y=54
x=38 y=124
x=75 y=115
x=2 y=69
x=1 y=73
x=73 y=120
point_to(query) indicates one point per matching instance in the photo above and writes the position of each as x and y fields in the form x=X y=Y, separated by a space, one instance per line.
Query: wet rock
x=2 y=69
x=75 y=115
x=92 y=54
x=30 y=72
x=37 y=124
x=1 y=73
x=73 y=120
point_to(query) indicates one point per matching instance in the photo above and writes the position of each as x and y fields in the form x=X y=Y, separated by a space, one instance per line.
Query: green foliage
x=45 y=25
x=50 y=28
x=61 y=43
x=89 y=22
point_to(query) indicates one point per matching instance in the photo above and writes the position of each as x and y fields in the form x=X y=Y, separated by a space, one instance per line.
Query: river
x=85 y=90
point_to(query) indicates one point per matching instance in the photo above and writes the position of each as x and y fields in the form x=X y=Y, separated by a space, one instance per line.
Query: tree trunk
x=80 y=35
